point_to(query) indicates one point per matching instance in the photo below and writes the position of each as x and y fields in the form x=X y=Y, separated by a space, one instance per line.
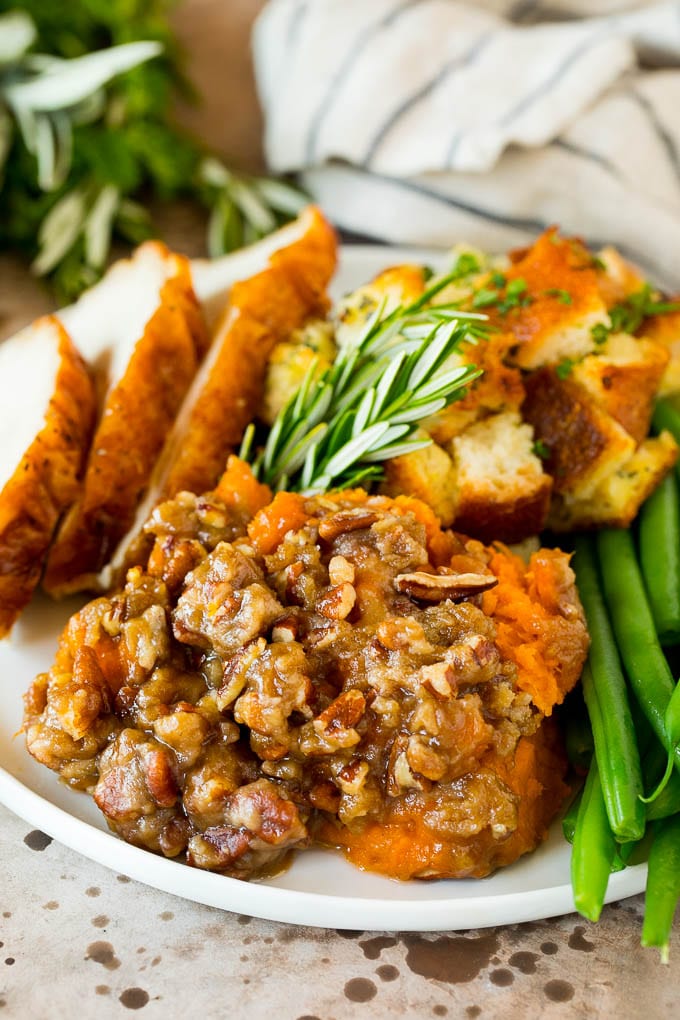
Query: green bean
x=663 y=886
x=578 y=735
x=605 y=693
x=666 y=417
x=645 y=664
x=660 y=558
x=668 y=801
x=570 y=816
x=593 y=851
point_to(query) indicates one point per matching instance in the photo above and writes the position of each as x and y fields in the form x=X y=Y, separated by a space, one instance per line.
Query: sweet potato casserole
x=334 y=670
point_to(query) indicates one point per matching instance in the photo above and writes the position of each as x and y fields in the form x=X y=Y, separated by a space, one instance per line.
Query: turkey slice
x=227 y=391
x=44 y=442
x=142 y=332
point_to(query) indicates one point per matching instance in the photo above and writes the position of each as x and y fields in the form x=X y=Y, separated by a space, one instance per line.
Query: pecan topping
x=437 y=587
x=344 y=521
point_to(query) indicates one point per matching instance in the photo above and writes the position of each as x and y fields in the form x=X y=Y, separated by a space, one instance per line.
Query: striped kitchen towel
x=433 y=121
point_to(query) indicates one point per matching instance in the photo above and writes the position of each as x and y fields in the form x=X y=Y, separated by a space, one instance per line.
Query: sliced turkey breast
x=141 y=329
x=47 y=409
x=227 y=391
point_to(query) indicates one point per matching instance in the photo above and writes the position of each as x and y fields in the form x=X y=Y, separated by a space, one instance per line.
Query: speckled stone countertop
x=77 y=939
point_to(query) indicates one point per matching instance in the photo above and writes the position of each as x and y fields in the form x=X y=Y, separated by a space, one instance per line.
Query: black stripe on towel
x=344 y=69
x=503 y=219
x=462 y=60
x=294 y=26
x=542 y=90
x=531 y=97
x=529 y=224
x=583 y=153
x=667 y=141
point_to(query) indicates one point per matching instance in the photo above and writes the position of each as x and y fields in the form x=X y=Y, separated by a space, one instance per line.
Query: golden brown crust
x=665 y=329
x=136 y=416
x=584 y=443
x=427 y=474
x=548 y=329
x=46 y=480
x=261 y=311
x=617 y=499
x=625 y=386
x=499 y=388
x=504 y=519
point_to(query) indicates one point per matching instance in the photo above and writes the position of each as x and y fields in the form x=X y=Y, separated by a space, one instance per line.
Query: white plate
x=320 y=888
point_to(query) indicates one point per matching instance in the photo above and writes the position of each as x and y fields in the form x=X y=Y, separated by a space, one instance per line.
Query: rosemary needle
x=338 y=427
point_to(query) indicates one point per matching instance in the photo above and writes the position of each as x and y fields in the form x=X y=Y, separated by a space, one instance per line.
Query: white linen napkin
x=435 y=121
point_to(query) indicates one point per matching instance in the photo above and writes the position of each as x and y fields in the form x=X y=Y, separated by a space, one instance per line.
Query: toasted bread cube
x=142 y=331
x=291 y=359
x=665 y=329
x=428 y=474
x=502 y=490
x=584 y=443
x=499 y=388
x=623 y=378
x=617 y=278
x=47 y=412
x=565 y=302
x=617 y=499
x=399 y=285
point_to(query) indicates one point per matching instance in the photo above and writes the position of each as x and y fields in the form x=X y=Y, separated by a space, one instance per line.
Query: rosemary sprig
x=87 y=138
x=337 y=428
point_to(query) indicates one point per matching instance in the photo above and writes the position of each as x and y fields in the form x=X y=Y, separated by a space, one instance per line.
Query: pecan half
x=437 y=587
x=344 y=521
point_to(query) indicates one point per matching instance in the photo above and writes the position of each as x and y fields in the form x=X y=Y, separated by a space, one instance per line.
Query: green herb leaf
x=564 y=368
x=563 y=296
x=541 y=449
x=485 y=297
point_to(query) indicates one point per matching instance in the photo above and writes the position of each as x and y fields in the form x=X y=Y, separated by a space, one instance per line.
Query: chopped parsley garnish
x=599 y=333
x=564 y=368
x=515 y=288
x=563 y=296
x=627 y=316
x=515 y=294
x=485 y=297
x=541 y=449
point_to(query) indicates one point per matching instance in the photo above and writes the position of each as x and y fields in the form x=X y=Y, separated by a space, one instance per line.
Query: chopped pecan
x=345 y=711
x=438 y=679
x=286 y=629
x=437 y=587
x=340 y=570
x=338 y=602
x=344 y=521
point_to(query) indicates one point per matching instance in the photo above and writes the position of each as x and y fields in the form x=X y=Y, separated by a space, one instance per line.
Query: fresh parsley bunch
x=86 y=139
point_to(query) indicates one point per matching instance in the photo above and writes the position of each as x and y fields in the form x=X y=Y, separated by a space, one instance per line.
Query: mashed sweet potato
x=333 y=670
